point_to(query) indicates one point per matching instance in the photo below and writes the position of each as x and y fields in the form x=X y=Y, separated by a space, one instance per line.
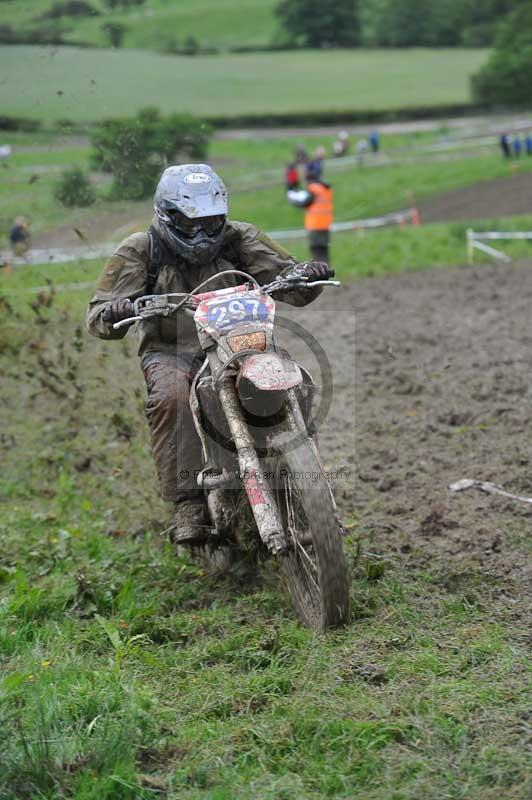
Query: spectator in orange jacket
x=317 y=199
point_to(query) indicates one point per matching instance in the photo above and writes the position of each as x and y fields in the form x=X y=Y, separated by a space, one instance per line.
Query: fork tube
x=259 y=493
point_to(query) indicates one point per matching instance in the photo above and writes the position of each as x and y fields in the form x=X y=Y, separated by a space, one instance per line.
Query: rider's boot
x=192 y=522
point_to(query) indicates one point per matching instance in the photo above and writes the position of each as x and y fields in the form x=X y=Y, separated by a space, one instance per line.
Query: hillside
x=158 y=24
x=84 y=85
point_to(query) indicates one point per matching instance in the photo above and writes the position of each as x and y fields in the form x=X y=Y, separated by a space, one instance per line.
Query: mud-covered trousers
x=176 y=447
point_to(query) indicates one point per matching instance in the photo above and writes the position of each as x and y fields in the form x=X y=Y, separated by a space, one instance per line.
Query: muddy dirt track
x=498 y=198
x=431 y=385
x=443 y=391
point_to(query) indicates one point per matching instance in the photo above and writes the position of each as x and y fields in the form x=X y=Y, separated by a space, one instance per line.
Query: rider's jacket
x=319 y=214
x=125 y=274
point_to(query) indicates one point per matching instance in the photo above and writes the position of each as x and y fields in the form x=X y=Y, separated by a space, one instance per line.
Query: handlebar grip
x=331 y=272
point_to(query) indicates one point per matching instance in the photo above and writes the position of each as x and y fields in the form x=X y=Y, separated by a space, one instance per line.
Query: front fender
x=270 y=372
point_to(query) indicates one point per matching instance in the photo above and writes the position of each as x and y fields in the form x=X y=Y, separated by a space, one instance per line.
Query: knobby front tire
x=314 y=568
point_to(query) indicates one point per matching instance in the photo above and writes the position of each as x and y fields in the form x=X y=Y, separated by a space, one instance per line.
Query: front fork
x=258 y=490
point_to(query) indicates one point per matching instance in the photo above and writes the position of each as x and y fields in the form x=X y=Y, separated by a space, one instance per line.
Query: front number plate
x=226 y=314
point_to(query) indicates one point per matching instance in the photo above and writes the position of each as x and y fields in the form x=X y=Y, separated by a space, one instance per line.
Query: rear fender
x=270 y=372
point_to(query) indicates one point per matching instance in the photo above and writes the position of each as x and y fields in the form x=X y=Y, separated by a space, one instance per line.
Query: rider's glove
x=317 y=271
x=118 y=310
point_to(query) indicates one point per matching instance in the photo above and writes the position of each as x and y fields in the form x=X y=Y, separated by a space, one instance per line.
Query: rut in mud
x=431 y=385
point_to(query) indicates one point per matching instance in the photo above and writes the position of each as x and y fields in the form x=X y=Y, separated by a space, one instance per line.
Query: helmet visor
x=190 y=227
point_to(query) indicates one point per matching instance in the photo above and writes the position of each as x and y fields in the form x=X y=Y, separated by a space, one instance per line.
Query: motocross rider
x=190 y=239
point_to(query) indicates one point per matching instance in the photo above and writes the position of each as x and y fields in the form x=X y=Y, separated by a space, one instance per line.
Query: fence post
x=470 y=247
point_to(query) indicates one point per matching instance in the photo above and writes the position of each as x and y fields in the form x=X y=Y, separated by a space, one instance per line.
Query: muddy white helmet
x=191 y=206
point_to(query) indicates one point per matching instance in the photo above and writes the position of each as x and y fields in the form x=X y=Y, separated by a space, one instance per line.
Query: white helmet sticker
x=197 y=177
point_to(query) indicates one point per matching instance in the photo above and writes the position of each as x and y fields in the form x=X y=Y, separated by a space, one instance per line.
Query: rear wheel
x=314 y=568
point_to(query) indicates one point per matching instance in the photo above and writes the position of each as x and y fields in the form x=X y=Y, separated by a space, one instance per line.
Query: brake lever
x=323 y=283
x=295 y=282
x=124 y=322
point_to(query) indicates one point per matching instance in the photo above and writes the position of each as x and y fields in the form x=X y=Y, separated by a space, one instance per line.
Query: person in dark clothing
x=528 y=145
x=504 y=142
x=19 y=237
x=190 y=239
x=314 y=168
x=374 y=141
x=517 y=147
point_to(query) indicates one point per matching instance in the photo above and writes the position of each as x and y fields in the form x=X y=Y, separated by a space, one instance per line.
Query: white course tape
x=59 y=255
x=396 y=218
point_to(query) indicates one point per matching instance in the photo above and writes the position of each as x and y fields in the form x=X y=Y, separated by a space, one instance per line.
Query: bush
x=123 y=4
x=71 y=8
x=74 y=189
x=320 y=23
x=136 y=150
x=115 y=32
x=19 y=124
x=46 y=33
x=66 y=125
x=191 y=46
x=505 y=79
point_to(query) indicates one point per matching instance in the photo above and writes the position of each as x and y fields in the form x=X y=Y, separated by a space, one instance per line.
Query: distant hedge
x=301 y=119
x=346 y=117
x=19 y=124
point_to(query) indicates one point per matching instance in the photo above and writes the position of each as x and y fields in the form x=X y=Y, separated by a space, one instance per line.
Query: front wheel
x=314 y=567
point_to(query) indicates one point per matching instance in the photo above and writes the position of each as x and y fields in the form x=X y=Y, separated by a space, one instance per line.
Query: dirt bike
x=250 y=402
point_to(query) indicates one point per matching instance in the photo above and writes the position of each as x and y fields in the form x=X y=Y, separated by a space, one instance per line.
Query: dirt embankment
x=503 y=197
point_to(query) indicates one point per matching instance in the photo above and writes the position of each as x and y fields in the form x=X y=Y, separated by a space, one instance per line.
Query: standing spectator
x=291 y=176
x=374 y=141
x=315 y=167
x=516 y=144
x=528 y=144
x=341 y=144
x=504 y=142
x=301 y=154
x=362 y=148
x=317 y=199
x=5 y=152
x=19 y=237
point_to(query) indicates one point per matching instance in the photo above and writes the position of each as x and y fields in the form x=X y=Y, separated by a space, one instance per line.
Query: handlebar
x=158 y=305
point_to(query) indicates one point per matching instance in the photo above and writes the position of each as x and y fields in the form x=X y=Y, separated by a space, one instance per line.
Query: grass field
x=253 y=171
x=161 y=23
x=86 y=85
x=129 y=674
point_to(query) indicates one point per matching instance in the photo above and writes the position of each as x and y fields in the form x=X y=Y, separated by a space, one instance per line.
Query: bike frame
x=246 y=312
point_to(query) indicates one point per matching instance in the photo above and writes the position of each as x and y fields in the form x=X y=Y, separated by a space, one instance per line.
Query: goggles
x=190 y=227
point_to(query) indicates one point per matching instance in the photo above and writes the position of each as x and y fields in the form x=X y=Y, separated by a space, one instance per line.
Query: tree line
x=392 y=23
